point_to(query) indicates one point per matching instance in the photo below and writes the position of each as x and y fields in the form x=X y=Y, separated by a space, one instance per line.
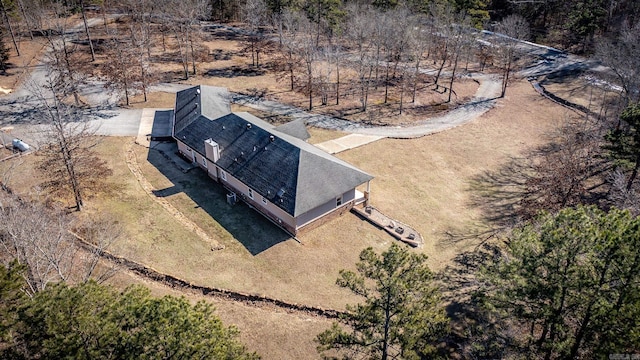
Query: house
x=272 y=169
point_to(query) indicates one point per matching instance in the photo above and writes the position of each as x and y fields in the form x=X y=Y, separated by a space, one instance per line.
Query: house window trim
x=250 y=193
x=204 y=162
x=223 y=175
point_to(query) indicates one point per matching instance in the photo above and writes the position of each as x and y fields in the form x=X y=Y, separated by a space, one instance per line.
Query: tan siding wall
x=323 y=209
x=211 y=170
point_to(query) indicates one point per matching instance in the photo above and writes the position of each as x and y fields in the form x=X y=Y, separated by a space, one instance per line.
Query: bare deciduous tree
x=40 y=238
x=512 y=29
x=359 y=32
x=254 y=14
x=68 y=160
x=623 y=56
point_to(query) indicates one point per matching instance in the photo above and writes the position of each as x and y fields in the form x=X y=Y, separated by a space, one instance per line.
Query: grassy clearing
x=426 y=182
x=580 y=90
x=319 y=135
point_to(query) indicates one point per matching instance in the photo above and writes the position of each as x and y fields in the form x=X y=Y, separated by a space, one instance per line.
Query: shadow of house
x=252 y=230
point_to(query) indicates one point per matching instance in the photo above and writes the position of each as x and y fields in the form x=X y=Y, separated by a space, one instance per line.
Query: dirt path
x=132 y=163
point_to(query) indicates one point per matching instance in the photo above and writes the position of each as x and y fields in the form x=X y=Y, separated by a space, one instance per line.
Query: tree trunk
x=337 y=80
x=415 y=80
x=193 y=57
x=453 y=76
x=69 y=73
x=588 y=313
x=387 y=321
x=634 y=173
x=24 y=15
x=143 y=75
x=444 y=60
x=401 y=93
x=505 y=81
x=6 y=18
x=386 y=83
x=291 y=74
x=86 y=30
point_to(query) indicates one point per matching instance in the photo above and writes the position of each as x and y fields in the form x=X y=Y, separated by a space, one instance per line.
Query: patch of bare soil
x=20 y=66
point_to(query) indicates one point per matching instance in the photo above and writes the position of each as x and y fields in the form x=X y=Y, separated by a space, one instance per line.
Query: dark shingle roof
x=289 y=172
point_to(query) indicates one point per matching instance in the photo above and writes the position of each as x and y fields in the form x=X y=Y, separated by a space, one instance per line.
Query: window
x=204 y=162
x=339 y=201
x=223 y=175
x=250 y=193
x=264 y=200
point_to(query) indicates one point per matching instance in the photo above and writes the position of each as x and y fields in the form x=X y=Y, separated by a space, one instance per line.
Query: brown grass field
x=429 y=183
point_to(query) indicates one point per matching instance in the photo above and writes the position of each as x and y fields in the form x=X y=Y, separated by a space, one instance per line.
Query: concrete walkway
x=350 y=141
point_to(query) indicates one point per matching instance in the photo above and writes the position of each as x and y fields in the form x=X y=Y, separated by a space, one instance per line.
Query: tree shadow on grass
x=498 y=193
x=475 y=334
x=246 y=225
x=235 y=71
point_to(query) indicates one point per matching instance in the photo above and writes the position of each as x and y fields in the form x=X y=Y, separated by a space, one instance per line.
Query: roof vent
x=272 y=138
x=281 y=192
x=254 y=148
x=223 y=127
x=248 y=126
x=197 y=91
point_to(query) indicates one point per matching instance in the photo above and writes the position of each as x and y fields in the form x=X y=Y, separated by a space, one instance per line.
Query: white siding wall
x=184 y=149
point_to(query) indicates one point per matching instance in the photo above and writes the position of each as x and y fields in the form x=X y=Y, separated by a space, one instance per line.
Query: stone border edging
x=177 y=283
x=540 y=89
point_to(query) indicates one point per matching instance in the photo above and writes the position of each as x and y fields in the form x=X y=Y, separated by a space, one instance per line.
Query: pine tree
x=401 y=316
x=624 y=142
x=572 y=282
x=91 y=321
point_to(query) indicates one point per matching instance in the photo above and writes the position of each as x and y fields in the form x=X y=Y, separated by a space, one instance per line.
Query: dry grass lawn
x=580 y=90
